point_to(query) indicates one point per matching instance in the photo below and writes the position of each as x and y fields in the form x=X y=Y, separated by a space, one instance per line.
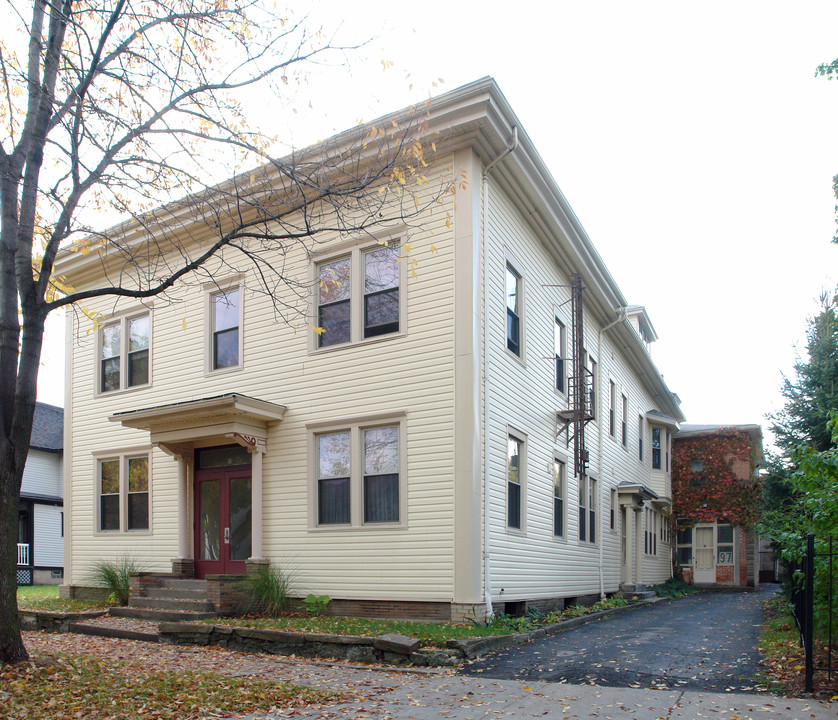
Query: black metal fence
x=815 y=576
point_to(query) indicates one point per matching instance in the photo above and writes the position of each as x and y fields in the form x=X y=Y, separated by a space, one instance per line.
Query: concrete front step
x=177 y=593
x=159 y=614
x=639 y=595
x=171 y=604
x=183 y=583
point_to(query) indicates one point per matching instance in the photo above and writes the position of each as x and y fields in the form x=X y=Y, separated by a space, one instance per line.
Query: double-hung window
x=124 y=353
x=724 y=544
x=515 y=448
x=123 y=489
x=374 y=277
x=225 y=333
x=641 y=430
x=513 y=311
x=358 y=476
x=656 y=448
x=558 y=498
x=624 y=421
x=587 y=509
x=560 y=343
x=612 y=407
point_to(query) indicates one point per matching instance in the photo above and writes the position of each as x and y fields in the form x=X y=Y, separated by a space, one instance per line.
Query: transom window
x=124 y=353
x=226 y=338
x=363 y=463
x=124 y=493
x=513 y=311
x=377 y=283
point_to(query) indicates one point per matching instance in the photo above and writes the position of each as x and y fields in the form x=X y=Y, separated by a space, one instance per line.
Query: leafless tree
x=132 y=107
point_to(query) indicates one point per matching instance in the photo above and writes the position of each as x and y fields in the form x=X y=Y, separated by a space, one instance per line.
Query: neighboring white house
x=40 y=535
x=416 y=457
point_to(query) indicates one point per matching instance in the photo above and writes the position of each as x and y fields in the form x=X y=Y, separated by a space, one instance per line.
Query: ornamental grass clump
x=269 y=590
x=115 y=575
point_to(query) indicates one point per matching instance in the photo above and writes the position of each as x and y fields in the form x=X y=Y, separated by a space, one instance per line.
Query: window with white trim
x=724 y=544
x=124 y=347
x=656 y=447
x=641 y=431
x=587 y=509
x=513 y=311
x=558 y=498
x=560 y=346
x=225 y=329
x=624 y=422
x=123 y=484
x=612 y=408
x=358 y=475
x=514 y=482
x=374 y=277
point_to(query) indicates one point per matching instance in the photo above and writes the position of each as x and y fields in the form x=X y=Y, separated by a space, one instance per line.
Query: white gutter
x=487 y=569
x=621 y=315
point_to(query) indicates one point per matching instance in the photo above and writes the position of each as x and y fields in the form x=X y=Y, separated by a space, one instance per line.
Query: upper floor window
x=624 y=421
x=592 y=370
x=558 y=498
x=514 y=482
x=375 y=276
x=656 y=448
x=612 y=407
x=124 y=353
x=560 y=343
x=123 y=486
x=513 y=311
x=225 y=340
x=360 y=463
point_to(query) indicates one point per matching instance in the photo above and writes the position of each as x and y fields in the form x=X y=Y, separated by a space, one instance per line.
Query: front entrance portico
x=631 y=498
x=220 y=522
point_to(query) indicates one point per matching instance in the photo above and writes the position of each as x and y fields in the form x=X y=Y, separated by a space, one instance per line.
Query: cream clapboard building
x=412 y=458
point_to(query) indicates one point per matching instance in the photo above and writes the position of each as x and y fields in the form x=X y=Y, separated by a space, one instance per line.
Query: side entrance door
x=705 y=554
x=222 y=521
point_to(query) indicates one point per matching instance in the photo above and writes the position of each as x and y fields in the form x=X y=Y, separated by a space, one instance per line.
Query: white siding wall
x=412 y=373
x=49 y=544
x=42 y=474
x=532 y=563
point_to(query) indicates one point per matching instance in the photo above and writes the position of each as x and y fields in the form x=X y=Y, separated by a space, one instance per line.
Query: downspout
x=621 y=315
x=487 y=570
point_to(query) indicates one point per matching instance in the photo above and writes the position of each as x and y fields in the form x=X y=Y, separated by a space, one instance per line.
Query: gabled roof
x=47 y=428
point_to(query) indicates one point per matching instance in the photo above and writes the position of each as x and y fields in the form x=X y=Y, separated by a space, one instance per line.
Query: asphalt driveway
x=703 y=642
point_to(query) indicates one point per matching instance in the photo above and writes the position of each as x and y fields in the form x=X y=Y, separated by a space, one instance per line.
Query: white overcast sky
x=693 y=141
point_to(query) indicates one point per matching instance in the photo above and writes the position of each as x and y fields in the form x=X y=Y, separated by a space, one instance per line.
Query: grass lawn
x=45 y=597
x=82 y=687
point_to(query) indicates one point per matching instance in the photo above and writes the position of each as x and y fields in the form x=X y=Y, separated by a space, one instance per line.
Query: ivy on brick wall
x=705 y=483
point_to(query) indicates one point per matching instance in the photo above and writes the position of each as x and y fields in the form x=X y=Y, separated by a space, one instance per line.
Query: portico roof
x=231 y=416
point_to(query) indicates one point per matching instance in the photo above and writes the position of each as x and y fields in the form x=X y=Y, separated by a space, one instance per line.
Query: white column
x=638 y=548
x=183 y=462
x=630 y=545
x=256 y=502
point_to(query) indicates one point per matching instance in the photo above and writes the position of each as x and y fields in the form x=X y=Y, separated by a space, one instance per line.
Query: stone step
x=161 y=614
x=182 y=583
x=177 y=593
x=109 y=632
x=171 y=604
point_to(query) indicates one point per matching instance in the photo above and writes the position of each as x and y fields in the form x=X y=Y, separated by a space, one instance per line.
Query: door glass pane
x=209 y=508
x=240 y=506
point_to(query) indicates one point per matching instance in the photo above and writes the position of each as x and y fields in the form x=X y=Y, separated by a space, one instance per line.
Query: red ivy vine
x=716 y=491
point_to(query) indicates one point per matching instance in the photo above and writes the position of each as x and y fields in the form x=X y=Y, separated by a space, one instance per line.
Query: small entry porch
x=218 y=444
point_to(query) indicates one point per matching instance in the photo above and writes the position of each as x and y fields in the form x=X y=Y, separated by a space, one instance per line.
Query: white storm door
x=705 y=554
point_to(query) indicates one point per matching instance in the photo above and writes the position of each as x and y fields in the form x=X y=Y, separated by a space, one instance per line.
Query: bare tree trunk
x=12 y=649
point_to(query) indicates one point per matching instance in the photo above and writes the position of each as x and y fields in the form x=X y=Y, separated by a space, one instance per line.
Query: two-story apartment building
x=412 y=455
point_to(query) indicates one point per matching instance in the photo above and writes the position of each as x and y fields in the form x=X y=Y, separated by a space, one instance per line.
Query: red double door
x=222 y=521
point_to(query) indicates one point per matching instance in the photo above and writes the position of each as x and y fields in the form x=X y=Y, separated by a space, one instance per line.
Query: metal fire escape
x=580 y=388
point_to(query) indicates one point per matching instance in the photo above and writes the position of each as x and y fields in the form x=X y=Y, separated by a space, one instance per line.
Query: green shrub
x=316 y=604
x=269 y=590
x=115 y=575
x=673 y=588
